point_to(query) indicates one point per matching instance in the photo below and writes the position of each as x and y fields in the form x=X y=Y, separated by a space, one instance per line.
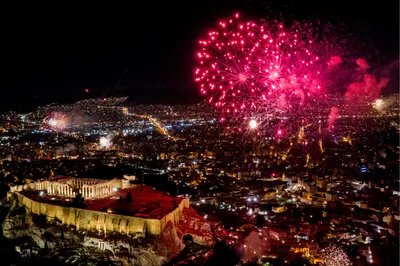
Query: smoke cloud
x=362 y=64
x=335 y=60
x=333 y=116
x=369 y=86
x=282 y=101
x=299 y=93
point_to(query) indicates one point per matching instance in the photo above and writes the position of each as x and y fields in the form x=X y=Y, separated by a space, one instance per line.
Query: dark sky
x=51 y=53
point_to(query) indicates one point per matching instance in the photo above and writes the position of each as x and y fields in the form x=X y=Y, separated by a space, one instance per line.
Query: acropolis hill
x=148 y=213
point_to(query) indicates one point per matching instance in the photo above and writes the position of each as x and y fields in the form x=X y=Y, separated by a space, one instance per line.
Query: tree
x=78 y=200
x=47 y=236
x=128 y=197
x=224 y=254
x=260 y=221
x=299 y=261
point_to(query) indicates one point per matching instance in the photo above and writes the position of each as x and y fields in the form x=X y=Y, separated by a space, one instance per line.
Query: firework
x=335 y=256
x=378 y=104
x=382 y=104
x=106 y=142
x=266 y=70
x=248 y=67
x=56 y=121
x=253 y=124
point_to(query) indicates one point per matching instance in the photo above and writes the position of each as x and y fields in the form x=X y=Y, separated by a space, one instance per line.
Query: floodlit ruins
x=104 y=205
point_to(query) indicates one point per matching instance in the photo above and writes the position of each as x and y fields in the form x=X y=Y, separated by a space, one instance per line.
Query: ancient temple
x=70 y=186
x=88 y=188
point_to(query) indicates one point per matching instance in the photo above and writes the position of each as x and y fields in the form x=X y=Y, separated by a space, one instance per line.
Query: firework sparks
x=378 y=104
x=382 y=104
x=264 y=71
x=248 y=69
x=335 y=256
x=244 y=66
x=56 y=121
x=253 y=124
x=106 y=142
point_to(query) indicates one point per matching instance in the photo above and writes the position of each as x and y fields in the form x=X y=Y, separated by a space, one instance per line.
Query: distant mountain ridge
x=158 y=95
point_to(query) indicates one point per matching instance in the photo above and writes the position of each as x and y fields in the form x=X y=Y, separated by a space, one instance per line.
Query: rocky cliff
x=52 y=242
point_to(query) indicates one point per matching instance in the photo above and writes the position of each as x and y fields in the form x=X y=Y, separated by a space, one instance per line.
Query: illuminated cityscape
x=278 y=144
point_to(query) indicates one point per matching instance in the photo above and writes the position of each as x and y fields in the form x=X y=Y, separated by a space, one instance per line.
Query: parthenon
x=89 y=188
x=69 y=187
x=149 y=214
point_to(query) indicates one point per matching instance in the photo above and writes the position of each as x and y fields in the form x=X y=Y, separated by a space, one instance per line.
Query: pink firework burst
x=244 y=66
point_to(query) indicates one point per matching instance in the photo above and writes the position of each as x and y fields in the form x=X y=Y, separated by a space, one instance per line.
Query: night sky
x=52 y=53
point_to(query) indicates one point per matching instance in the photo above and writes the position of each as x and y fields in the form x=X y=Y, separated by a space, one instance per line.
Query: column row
x=104 y=190
x=81 y=183
x=41 y=185
x=60 y=190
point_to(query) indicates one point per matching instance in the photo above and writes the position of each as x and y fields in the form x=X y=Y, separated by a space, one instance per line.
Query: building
x=106 y=210
x=69 y=187
x=270 y=194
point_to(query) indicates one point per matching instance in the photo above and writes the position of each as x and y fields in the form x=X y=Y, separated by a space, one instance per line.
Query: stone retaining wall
x=94 y=220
